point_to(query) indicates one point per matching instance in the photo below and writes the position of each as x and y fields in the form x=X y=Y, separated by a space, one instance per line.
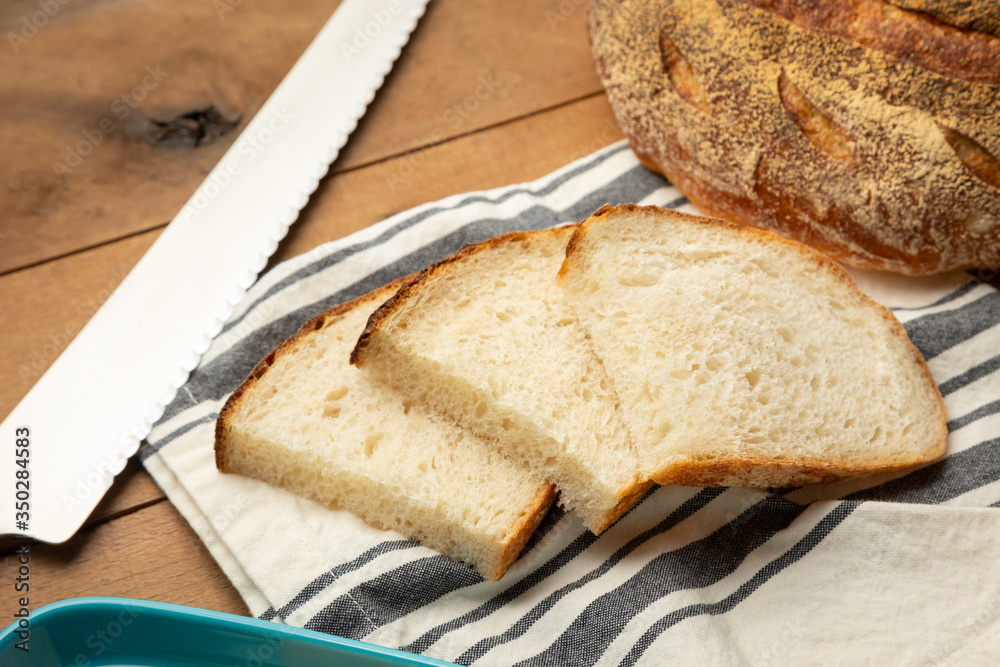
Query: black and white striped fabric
x=900 y=569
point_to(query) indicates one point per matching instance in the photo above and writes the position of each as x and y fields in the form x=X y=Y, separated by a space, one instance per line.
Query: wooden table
x=112 y=113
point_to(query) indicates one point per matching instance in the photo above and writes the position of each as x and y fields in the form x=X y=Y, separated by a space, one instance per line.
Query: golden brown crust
x=767 y=473
x=871 y=158
x=522 y=531
x=224 y=422
x=631 y=498
x=763 y=235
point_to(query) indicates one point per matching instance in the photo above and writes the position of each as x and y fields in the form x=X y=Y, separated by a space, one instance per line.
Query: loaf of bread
x=742 y=358
x=486 y=338
x=868 y=130
x=306 y=420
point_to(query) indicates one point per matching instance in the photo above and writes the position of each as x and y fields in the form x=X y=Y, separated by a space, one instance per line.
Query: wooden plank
x=132 y=490
x=151 y=554
x=91 y=168
x=463 y=72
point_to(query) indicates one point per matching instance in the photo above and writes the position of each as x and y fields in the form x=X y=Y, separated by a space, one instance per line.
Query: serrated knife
x=74 y=431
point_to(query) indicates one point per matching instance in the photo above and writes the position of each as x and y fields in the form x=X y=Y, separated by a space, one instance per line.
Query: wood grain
x=133 y=490
x=115 y=142
x=473 y=64
x=94 y=164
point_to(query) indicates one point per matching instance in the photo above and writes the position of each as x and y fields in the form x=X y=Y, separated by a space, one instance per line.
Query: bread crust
x=758 y=471
x=958 y=40
x=763 y=473
x=630 y=497
x=522 y=531
x=872 y=158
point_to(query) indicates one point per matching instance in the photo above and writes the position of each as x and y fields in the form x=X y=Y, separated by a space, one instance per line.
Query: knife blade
x=76 y=428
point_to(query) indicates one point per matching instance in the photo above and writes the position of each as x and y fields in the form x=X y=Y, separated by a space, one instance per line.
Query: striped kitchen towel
x=898 y=569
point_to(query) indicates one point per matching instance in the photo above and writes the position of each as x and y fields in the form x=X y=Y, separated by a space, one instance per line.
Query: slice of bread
x=306 y=420
x=742 y=358
x=487 y=338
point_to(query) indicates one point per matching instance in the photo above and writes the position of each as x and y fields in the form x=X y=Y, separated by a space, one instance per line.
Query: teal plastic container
x=99 y=632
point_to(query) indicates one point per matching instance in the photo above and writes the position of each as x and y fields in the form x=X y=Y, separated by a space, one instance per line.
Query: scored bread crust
x=883 y=161
x=629 y=495
x=760 y=471
x=519 y=532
